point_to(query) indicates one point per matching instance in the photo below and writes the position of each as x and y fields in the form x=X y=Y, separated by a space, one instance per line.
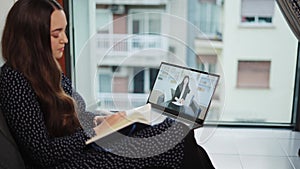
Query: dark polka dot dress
x=156 y=146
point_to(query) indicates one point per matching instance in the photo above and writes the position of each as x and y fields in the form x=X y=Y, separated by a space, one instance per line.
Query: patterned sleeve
x=26 y=122
x=85 y=117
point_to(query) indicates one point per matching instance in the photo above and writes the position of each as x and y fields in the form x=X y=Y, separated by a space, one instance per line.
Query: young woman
x=43 y=112
x=182 y=90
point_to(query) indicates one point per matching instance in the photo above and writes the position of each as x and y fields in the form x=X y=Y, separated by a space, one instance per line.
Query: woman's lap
x=162 y=145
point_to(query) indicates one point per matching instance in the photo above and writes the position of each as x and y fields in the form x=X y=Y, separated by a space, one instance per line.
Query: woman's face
x=57 y=32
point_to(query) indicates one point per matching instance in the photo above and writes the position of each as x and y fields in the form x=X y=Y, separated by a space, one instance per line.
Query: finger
x=123 y=113
x=95 y=122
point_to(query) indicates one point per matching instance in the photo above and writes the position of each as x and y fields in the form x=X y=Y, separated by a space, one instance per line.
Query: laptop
x=183 y=93
x=178 y=92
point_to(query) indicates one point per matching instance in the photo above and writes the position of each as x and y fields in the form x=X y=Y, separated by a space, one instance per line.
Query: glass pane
x=153 y=74
x=265 y=19
x=248 y=19
x=102 y=20
x=209 y=37
x=154 y=23
x=138 y=80
x=208 y=18
x=136 y=26
x=104 y=83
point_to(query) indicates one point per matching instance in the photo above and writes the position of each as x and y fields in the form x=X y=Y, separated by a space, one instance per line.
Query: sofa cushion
x=10 y=156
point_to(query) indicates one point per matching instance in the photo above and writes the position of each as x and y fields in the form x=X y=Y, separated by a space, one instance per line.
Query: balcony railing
x=132 y=2
x=127 y=101
x=121 y=101
x=124 y=44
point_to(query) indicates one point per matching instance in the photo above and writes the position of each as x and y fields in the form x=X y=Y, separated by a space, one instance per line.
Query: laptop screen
x=183 y=92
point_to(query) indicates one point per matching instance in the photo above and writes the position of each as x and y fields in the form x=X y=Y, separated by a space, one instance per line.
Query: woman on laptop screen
x=181 y=91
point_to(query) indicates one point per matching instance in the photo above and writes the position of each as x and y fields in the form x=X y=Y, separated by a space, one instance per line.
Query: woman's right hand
x=109 y=121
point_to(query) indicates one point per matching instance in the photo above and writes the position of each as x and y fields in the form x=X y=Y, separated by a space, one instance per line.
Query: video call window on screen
x=183 y=90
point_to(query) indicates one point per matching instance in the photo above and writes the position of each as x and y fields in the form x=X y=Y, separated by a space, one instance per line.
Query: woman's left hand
x=181 y=101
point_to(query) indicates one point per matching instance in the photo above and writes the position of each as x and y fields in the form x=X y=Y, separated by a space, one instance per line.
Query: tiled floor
x=250 y=148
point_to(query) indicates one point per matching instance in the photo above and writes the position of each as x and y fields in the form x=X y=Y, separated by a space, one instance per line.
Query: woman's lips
x=61 y=49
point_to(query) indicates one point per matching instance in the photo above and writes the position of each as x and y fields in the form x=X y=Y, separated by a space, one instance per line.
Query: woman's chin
x=59 y=56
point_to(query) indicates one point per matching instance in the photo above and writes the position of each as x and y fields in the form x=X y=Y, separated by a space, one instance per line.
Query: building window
x=142 y=22
x=208 y=19
x=257 y=11
x=207 y=63
x=139 y=80
x=103 y=18
x=143 y=79
x=253 y=74
x=105 y=83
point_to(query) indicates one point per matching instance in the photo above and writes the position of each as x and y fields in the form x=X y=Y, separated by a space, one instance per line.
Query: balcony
x=121 y=101
x=136 y=49
x=132 y=2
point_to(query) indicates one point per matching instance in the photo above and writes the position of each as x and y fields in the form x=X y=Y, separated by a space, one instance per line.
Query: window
x=143 y=79
x=141 y=21
x=207 y=63
x=139 y=80
x=103 y=18
x=105 y=83
x=257 y=11
x=208 y=19
x=253 y=74
x=116 y=65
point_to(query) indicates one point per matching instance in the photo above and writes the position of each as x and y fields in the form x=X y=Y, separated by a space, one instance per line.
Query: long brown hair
x=26 y=47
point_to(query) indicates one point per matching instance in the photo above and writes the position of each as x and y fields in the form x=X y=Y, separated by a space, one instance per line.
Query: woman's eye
x=55 y=35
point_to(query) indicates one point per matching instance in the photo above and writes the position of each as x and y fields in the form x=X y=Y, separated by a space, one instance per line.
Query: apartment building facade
x=252 y=46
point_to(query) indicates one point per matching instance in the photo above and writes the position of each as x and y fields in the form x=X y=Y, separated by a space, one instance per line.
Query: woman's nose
x=65 y=38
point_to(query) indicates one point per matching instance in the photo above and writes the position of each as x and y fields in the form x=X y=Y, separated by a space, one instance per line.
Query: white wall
x=178 y=27
x=4 y=8
x=277 y=44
